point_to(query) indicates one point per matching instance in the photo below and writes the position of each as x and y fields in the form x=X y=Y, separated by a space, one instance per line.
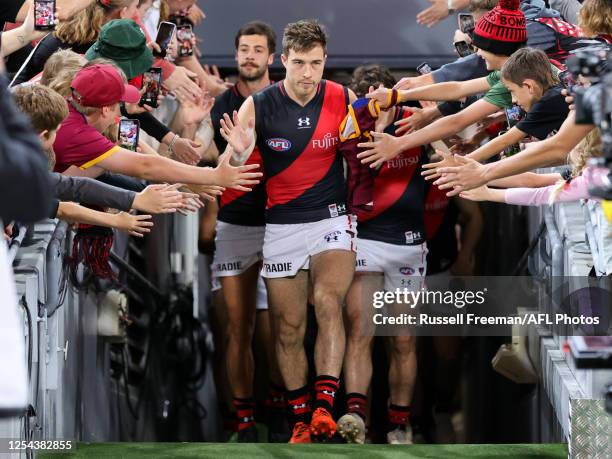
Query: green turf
x=315 y=451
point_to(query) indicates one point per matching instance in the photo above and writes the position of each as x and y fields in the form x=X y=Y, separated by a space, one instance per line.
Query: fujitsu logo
x=402 y=161
x=326 y=142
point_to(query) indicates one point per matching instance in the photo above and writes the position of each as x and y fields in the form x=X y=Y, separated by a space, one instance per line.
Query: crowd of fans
x=204 y=145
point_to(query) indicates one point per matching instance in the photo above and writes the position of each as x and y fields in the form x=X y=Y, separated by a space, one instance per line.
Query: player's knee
x=403 y=345
x=327 y=302
x=289 y=335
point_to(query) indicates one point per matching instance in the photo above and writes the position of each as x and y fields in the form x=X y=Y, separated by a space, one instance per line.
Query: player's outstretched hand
x=239 y=138
x=237 y=177
x=382 y=148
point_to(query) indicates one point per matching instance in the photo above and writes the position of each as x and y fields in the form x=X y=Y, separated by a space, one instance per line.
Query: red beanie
x=502 y=30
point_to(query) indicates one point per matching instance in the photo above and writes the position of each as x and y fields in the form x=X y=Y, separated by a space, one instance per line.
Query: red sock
x=299 y=402
x=276 y=397
x=356 y=403
x=245 y=410
x=398 y=416
x=326 y=387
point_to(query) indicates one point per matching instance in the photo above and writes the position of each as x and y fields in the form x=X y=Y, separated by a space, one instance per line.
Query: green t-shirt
x=497 y=94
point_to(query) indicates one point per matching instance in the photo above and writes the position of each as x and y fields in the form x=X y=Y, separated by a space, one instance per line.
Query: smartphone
x=466 y=23
x=568 y=80
x=165 y=32
x=151 y=81
x=424 y=68
x=129 y=131
x=463 y=49
x=514 y=114
x=44 y=14
x=184 y=36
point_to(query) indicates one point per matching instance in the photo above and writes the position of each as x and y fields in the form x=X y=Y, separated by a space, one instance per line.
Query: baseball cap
x=123 y=42
x=101 y=85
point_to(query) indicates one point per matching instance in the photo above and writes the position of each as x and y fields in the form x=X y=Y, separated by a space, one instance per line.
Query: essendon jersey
x=298 y=146
x=441 y=215
x=237 y=207
x=399 y=194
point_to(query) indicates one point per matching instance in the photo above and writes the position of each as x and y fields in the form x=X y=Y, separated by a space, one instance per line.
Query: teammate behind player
x=238 y=246
x=391 y=253
x=309 y=241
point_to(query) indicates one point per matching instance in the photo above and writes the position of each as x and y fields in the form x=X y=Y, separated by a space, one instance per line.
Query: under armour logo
x=304 y=123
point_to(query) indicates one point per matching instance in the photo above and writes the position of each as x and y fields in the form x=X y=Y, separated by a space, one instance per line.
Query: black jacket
x=25 y=191
x=89 y=191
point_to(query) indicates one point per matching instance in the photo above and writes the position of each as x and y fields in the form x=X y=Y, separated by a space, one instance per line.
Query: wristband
x=393 y=99
x=172 y=142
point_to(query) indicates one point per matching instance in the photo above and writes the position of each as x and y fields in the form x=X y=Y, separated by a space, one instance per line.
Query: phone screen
x=151 y=81
x=128 y=134
x=184 y=36
x=165 y=32
x=569 y=81
x=44 y=14
x=514 y=114
x=463 y=49
x=466 y=23
x=424 y=68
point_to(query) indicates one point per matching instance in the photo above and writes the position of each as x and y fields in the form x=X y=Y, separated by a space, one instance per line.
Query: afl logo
x=406 y=270
x=278 y=144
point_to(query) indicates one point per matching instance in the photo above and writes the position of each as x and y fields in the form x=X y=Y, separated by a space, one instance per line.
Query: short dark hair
x=529 y=63
x=303 y=36
x=368 y=75
x=258 y=28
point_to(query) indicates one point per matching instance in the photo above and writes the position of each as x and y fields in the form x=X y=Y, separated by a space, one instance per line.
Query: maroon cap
x=101 y=85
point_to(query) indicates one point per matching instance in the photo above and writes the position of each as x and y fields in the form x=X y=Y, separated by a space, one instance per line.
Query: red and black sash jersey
x=441 y=215
x=298 y=146
x=399 y=193
x=237 y=207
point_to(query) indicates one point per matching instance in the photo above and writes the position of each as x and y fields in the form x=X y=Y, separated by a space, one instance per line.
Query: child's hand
x=238 y=177
x=476 y=194
x=443 y=160
x=134 y=225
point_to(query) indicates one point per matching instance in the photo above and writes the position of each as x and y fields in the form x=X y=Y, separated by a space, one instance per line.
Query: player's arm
x=385 y=146
x=497 y=145
x=158 y=168
x=238 y=130
x=136 y=225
